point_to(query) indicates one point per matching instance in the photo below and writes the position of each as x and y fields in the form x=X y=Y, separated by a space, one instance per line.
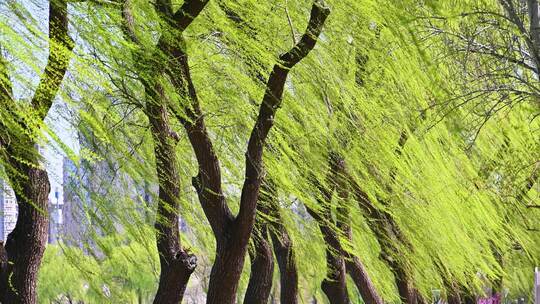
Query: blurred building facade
x=8 y=210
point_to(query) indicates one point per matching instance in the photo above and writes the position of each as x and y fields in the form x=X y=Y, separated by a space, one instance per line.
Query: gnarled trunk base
x=26 y=243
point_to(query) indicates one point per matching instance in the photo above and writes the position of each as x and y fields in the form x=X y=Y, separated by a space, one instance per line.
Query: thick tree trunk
x=361 y=279
x=26 y=243
x=177 y=265
x=283 y=248
x=233 y=233
x=262 y=265
x=407 y=292
x=335 y=284
x=225 y=273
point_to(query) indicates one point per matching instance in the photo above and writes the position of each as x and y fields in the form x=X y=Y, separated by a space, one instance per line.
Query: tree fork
x=233 y=233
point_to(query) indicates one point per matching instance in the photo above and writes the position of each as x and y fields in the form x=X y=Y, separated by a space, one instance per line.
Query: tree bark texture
x=262 y=265
x=270 y=223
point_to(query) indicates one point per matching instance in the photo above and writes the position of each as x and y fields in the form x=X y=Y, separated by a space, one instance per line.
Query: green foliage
x=371 y=78
x=126 y=275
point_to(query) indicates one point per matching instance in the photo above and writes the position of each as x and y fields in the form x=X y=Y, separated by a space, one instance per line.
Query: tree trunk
x=20 y=257
x=225 y=273
x=453 y=294
x=177 y=265
x=335 y=284
x=26 y=243
x=232 y=233
x=262 y=265
x=361 y=279
x=282 y=245
x=283 y=248
x=407 y=292
x=388 y=235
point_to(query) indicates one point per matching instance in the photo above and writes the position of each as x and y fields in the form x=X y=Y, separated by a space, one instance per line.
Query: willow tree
x=20 y=134
x=232 y=233
x=418 y=218
x=493 y=45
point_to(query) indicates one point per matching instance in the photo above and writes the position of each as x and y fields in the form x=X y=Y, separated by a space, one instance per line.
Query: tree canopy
x=394 y=141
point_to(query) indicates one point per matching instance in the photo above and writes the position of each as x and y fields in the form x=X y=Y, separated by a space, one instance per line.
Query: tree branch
x=265 y=120
x=188 y=12
x=6 y=86
x=208 y=181
x=60 y=51
x=534 y=30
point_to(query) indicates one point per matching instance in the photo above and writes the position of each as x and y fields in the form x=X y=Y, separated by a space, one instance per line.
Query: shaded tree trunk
x=389 y=236
x=354 y=266
x=334 y=285
x=26 y=243
x=283 y=249
x=339 y=261
x=176 y=263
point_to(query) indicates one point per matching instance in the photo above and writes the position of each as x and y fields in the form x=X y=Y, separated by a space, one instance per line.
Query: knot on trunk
x=186 y=260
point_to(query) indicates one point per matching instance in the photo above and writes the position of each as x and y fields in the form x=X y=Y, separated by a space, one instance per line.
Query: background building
x=8 y=210
x=56 y=218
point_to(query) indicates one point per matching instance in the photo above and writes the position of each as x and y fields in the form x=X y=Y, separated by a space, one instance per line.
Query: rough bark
x=334 y=285
x=177 y=264
x=285 y=256
x=269 y=219
x=20 y=259
x=262 y=265
x=26 y=243
x=233 y=233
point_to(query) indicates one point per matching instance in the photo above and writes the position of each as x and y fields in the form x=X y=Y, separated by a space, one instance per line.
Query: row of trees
x=404 y=153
